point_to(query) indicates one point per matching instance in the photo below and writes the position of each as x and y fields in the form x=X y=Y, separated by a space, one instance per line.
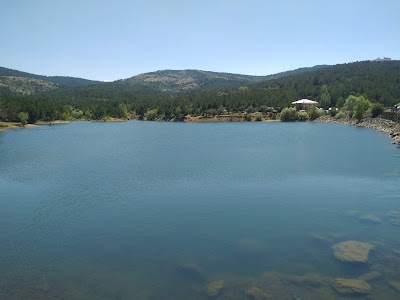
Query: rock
x=395 y=222
x=393 y=213
x=394 y=217
x=370 y=219
x=351 y=286
x=214 y=288
x=371 y=276
x=191 y=270
x=319 y=239
x=352 y=251
x=256 y=293
x=395 y=285
x=312 y=280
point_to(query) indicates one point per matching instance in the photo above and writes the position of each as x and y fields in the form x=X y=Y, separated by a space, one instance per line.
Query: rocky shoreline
x=388 y=127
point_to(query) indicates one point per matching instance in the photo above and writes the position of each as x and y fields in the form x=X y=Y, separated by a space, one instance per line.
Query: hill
x=13 y=82
x=185 y=80
x=167 y=93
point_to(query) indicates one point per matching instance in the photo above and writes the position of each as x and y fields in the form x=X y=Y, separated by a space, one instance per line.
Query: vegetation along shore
x=354 y=93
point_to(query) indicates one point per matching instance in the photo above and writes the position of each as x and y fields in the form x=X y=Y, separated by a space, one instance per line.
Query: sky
x=115 y=39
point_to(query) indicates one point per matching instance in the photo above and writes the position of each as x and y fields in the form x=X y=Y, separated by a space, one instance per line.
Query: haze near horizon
x=109 y=40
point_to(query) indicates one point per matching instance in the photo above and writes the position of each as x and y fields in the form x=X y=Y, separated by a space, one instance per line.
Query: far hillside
x=379 y=82
x=13 y=82
x=189 y=80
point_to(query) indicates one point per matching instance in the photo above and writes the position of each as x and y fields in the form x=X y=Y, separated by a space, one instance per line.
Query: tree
x=23 y=117
x=350 y=104
x=362 y=105
x=289 y=114
x=151 y=114
x=377 y=109
x=325 y=98
x=340 y=102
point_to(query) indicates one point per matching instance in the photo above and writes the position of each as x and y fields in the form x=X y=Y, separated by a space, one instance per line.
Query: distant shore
x=388 y=127
x=14 y=125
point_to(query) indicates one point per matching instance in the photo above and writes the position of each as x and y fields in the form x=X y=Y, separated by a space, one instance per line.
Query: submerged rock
x=393 y=213
x=394 y=216
x=320 y=239
x=370 y=218
x=371 y=276
x=395 y=285
x=352 y=251
x=351 y=286
x=214 y=288
x=191 y=271
x=256 y=293
x=312 y=280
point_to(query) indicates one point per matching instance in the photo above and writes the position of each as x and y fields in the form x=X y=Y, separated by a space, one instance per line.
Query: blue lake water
x=155 y=210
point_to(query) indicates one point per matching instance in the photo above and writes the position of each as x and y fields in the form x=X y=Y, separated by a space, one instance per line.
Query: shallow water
x=113 y=210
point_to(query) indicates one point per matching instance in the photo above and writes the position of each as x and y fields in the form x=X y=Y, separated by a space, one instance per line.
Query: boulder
x=371 y=276
x=256 y=293
x=352 y=251
x=370 y=218
x=191 y=271
x=395 y=285
x=351 y=286
x=214 y=288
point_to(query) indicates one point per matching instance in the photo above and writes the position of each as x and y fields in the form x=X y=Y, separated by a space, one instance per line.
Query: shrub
x=289 y=114
x=333 y=111
x=247 y=117
x=376 y=109
x=302 y=116
x=258 y=117
x=340 y=115
x=23 y=117
x=151 y=114
x=314 y=113
x=362 y=105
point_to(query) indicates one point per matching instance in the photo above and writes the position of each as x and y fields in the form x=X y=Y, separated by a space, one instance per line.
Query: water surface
x=113 y=210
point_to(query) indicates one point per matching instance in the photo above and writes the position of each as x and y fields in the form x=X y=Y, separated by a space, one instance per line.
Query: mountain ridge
x=15 y=82
x=190 y=79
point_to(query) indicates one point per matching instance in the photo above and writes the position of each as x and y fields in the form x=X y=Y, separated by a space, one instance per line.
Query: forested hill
x=13 y=82
x=185 y=80
x=378 y=81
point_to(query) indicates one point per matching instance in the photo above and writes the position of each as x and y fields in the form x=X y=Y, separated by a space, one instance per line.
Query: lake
x=158 y=210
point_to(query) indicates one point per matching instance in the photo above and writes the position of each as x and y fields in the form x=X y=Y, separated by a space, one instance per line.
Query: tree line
x=379 y=82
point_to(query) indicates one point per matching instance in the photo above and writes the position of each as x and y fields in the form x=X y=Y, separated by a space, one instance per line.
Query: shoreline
x=390 y=128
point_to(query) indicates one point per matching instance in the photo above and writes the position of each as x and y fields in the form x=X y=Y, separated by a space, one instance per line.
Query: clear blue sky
x=112 y=39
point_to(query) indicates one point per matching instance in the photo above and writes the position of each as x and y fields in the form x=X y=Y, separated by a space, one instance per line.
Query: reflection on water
x=147 y=210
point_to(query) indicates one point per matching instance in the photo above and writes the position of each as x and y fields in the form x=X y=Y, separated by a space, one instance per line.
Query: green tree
x=289 y=114
x=247 y=117
x=23 y=117
x=377 y=109
x=151 y=114
x=350 y=104
x=325 y=98
x=314 y=113
x=361 y=106
x=340 y=102
x=178 y=111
